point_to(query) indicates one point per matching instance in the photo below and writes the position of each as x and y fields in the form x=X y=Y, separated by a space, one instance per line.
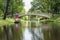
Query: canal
x=44 y=31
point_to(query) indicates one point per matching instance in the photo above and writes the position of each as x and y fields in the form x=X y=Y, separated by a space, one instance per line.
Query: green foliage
x=2 y=6
x=15 y=6
x=6 y=22
x=47 y=6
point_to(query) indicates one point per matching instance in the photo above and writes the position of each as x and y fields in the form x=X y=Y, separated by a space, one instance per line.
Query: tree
x=15 y=6
x=6 y=10
x=47 y=6
x=56 y=8
x=2 y=7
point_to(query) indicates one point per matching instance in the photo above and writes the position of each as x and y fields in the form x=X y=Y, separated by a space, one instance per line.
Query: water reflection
x=44 y=32
x=10 y=33
x=37 y=34
x=33 y=35
x=27 y=34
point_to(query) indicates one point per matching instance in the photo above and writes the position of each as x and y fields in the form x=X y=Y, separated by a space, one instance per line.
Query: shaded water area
x=47 y=31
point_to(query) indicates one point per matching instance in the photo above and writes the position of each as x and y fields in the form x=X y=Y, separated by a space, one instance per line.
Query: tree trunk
x=5 y=14
x=6 y=10
x=12 y=12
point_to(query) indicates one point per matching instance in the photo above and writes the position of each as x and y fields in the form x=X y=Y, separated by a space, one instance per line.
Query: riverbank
x=7 y=21
x=55 y=18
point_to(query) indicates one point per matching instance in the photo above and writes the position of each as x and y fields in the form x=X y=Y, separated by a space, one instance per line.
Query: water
x=33 y=35
x=27 y=35
x=44 y=32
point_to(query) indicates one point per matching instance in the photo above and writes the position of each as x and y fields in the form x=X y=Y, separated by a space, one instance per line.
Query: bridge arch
x=41 y=15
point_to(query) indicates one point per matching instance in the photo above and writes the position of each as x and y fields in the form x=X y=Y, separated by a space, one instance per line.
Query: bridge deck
x=42 y=15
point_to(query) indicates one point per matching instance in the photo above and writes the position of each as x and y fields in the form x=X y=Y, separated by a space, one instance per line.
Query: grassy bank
x=6 y=22
x=55 y=18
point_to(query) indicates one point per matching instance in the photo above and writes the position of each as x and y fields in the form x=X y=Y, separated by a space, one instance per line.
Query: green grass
x=6 y=22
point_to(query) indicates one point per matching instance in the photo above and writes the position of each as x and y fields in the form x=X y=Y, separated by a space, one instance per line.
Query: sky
x=27 y=4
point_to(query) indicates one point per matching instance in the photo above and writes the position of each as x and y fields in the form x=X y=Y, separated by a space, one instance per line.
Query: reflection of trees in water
x=56 y=31
x=2 y=36
x=49 y=34
x=52 y=33
x=12 y=33
x=37 y=34
x=17 y=34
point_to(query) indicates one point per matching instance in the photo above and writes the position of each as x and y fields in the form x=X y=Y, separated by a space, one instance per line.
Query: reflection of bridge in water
x=41 y=15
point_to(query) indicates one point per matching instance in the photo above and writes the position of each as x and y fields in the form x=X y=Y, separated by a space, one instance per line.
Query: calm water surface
x=44 y=32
